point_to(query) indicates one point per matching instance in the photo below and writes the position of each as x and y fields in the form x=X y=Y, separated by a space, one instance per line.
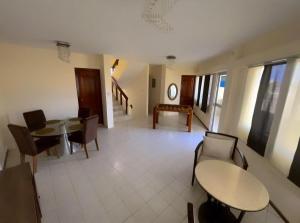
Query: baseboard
x=201 y=122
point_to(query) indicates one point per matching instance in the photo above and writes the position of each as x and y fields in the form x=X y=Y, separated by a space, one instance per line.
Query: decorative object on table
x=45 y=131
x=219 y=146
x=74 y=119
x=27 y=146
x=172 y=91
x=173 y=108
x=52 y=122
x=230 y=187
x=88 y=134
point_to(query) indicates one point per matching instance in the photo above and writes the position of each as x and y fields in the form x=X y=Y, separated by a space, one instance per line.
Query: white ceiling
x=202 y=28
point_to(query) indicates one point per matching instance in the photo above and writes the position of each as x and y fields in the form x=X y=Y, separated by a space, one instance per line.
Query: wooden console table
x=18 y=196
x=173 y=108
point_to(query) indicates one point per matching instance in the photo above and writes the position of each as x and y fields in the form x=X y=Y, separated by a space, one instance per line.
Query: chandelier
x=155 y=11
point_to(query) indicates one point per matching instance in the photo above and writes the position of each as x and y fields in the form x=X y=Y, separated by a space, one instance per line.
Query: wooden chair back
x=23 y=139
x=90 y=127
x=35 y=119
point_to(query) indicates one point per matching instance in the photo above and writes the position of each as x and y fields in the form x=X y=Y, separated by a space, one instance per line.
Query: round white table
x=232 y=186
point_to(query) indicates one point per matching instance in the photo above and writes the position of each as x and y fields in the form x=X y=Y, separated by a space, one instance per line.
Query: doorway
x=89 y=95
x=187 y=90
x=218 y=100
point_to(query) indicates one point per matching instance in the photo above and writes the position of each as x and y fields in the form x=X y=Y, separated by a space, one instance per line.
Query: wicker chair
x=237 y=156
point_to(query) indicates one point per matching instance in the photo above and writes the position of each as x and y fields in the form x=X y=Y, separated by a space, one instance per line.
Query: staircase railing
x=119 y=93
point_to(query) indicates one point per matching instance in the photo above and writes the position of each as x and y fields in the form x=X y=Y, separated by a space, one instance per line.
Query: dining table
x=60 y=128
x=229 y=186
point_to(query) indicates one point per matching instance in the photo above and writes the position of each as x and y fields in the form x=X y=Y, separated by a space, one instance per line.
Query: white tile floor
x=140 y=175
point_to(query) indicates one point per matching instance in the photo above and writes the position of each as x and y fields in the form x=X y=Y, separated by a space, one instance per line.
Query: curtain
x=294 y=174
x=205 y=93
x=199 y=90
x=265 y=106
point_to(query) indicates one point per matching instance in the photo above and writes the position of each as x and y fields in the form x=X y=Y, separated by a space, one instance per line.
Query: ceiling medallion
x=155 y=11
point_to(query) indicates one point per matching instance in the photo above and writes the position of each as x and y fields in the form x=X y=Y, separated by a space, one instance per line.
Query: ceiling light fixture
x=155 y=11
x=171 y=57
x=170 y=60
x=63 y=51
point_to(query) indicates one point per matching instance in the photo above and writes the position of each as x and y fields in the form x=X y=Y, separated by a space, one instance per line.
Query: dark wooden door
x=187 y=90
x=89 y=90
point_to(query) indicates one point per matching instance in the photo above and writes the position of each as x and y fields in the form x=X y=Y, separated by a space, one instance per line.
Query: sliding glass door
x=218 y=101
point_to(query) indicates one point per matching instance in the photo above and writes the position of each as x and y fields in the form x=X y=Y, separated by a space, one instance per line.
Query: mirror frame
x=169 y=88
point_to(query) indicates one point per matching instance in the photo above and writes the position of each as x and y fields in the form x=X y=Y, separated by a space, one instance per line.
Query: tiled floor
x=140 y=175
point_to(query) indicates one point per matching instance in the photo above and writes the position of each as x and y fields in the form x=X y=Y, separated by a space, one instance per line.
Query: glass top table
x=58 y=128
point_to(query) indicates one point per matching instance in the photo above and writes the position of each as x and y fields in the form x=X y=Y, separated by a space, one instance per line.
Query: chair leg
x=71 y=147
x=22 y=158
x=34 y=164
x=86 y=152
x=96 y=141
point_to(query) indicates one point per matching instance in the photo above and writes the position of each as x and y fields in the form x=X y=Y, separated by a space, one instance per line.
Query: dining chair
x=84 y=112
x=214 y=146
x=88 y=134
x=27 y=146
x=35 y=119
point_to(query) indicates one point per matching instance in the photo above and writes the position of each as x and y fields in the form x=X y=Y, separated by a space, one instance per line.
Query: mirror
x=172 y=91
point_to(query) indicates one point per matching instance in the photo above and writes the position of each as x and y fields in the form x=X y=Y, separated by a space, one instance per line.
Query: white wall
x=170 y=76
x=33 y=78
x=105 y=66
x=155 y=72
x=135 y=81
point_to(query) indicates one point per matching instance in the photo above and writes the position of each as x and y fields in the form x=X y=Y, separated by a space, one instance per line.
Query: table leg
x=214 y=212
x=190 y=122
x=187 y=119
x=157 y=115
x=154 y=118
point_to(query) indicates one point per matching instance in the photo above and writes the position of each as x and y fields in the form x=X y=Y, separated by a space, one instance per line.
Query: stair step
x=118 y=113
x=122 y=118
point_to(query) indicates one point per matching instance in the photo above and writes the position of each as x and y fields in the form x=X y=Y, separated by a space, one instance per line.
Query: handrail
x=122 y=93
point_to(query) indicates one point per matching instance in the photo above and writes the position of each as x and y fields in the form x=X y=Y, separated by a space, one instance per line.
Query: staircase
x=120 y=102
x=119 y=113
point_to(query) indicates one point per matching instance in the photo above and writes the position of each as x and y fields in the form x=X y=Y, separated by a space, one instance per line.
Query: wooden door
x=89 y=90
x=187 y=90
